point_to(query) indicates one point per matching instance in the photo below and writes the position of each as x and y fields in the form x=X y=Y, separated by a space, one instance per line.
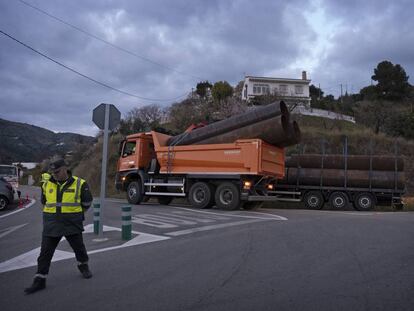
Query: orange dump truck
x=228 y=175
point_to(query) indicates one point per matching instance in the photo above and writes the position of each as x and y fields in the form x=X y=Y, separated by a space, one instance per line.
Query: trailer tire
x=164 y=200
x=364 y=202
x=227 y=196
x=338 y=200
x=201 y=195
x=313 y=200
x=134 y=192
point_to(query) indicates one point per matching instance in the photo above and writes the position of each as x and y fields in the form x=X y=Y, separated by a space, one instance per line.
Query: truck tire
x=3 y=202
x=313 y=200
x=364 y=202
x=201 y=195
x=338 y=200
x=227 y=196
x=164 y=200
x=134 y=192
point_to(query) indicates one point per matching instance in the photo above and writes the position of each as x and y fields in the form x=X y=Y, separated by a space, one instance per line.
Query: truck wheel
x=201 y=195
x=313 y=200
x=134 y=193
x=227 y=196
x=164 y=200
x=3 y=202
x=364 y=202
x=338 y=200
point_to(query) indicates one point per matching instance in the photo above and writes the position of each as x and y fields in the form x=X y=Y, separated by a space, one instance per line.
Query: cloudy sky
x=157 y=50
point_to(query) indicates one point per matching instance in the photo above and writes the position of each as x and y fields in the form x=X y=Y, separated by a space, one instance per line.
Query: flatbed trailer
x=314 y=190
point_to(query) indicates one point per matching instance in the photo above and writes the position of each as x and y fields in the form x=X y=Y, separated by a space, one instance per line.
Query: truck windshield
x=8 y=171
x=129 y=148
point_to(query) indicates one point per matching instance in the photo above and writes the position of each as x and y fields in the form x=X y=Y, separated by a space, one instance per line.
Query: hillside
x=21 y=142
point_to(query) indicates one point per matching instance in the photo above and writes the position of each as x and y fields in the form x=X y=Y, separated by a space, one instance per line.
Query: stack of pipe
x=270 y=123
x=359 y=171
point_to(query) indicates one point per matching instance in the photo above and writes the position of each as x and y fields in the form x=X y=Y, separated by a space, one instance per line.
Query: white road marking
x=213 y=227
x=9 y=230
x=33 y=201
x=233 y=214
x=29 y=259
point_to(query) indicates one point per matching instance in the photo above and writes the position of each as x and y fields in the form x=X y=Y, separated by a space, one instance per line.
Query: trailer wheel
x=313 y=200
x=201 y=195
x=164 y=200
x=227 y=196
x=338 y=200
x=134 y=193
x=364 y=202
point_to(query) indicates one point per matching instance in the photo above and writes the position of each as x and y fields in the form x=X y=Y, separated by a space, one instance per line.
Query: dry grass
x=408 y=203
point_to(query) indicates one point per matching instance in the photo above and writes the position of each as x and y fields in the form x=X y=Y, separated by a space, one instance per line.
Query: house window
x=283 y=88
x=298 y=89
x=261 y=89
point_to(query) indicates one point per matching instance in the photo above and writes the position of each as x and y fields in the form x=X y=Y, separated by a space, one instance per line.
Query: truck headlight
x=247 y=185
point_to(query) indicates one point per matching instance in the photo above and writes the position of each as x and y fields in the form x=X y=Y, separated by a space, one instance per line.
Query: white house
x=290 y=90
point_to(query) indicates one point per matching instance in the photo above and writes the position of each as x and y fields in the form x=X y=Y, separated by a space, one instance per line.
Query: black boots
x=38 y=284
x=84 y=269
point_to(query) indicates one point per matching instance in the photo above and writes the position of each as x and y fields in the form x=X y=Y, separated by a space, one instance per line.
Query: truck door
x=128 y=158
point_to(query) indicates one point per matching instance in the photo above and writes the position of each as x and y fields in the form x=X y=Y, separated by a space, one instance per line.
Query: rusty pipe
x=354 y=162
x=231 y=124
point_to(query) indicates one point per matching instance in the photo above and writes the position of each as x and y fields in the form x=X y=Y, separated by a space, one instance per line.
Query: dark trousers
x=49 y=245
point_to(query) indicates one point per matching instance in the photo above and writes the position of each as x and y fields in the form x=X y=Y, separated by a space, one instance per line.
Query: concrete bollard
x=96 y=217
x=126 y=223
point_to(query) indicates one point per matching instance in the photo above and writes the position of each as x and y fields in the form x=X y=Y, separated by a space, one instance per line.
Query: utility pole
x=342 y=100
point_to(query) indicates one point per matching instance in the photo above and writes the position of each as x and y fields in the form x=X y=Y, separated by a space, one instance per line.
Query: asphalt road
x=186 y=259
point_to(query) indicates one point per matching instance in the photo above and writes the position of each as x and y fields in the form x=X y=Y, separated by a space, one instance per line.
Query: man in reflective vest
x=45 y=177
x=65 y=199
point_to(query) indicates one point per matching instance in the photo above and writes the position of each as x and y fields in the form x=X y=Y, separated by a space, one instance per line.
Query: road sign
x=98 y=116
x=106 y=117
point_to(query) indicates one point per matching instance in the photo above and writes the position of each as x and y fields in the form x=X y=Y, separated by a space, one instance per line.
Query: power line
x=85 y=76
x=107 y=42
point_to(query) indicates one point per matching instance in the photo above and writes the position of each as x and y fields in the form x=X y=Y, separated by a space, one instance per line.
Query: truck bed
x=245 y=156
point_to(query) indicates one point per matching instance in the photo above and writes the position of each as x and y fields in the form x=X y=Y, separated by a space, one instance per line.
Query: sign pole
x=106 y=117
x=104 y=160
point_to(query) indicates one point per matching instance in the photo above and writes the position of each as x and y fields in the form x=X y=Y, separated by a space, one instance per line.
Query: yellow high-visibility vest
x=45 y=177
x=71 y=201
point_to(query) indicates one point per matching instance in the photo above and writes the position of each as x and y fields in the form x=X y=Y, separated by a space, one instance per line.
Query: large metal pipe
x=234 y=123
x=354 y=162
x=336 y=178
x=276 y=131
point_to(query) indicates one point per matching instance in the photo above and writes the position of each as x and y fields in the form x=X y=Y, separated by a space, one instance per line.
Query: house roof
x=268 y=79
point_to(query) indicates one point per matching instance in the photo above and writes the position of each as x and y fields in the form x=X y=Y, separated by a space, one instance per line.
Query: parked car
x=6 y=194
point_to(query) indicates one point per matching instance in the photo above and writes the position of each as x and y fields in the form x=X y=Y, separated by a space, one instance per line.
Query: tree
x=369 y=92
x=392 y=81
x=374 y=114
x=202 y=87
x=221 y=90
x=315 y=93
x=402 y=125
x=142 y=119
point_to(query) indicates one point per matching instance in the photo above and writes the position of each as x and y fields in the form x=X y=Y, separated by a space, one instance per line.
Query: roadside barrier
x=96 y=217
x=126 y=223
